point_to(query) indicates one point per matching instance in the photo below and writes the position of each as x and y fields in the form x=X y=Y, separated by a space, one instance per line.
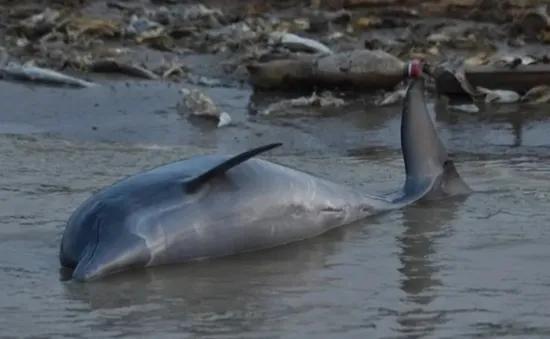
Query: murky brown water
x=473 y=268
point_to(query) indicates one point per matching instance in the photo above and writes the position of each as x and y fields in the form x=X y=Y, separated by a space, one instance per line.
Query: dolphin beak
x=106 y=258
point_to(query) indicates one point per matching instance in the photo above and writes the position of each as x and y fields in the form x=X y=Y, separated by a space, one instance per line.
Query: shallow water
x=454 y=269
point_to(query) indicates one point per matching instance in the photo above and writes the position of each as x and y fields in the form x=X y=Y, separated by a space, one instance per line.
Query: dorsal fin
x=226 y=165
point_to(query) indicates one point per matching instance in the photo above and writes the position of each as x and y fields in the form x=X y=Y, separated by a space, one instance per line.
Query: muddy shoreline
x=209 y=51
x=172 y=39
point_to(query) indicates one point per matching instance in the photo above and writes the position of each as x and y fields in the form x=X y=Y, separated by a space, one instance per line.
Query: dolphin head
x=426 y=159
x=98 y=242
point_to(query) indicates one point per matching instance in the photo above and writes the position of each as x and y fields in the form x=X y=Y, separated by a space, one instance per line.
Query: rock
x=201 y=105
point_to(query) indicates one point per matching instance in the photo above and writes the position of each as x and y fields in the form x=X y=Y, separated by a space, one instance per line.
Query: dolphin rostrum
x=218 y=205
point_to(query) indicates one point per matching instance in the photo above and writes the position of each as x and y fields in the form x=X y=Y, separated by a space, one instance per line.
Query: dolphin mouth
x=111 y=256
x=83 y=270
x=87 y=274
x=91 y=268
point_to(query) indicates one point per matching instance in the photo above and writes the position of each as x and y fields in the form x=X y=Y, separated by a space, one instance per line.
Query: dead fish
x=297 y=43
x=501 y=96
x=537 y=95
x=33 y=73
x=326 y=99
x=201 y=105
x=393 y=97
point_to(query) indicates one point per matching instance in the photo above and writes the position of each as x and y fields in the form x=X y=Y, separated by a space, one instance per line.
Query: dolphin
x=218 y=205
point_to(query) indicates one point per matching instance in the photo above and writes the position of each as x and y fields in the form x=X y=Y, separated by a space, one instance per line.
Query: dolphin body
x=218 y=205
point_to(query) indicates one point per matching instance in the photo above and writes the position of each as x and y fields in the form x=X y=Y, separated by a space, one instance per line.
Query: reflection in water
x=234 y=296
x=423 y=225
x=516 y=119
x=498 y=121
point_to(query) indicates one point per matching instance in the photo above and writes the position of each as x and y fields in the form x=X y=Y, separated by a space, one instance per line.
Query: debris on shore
x=202 y=106
x=498 y=95
x=537 y=95
x=111 y=65
x=324 y=100
x=356 y=44
x=497 y=83
x=393 y=97
x=361 y=69
x=296 y=43
x=468 y=108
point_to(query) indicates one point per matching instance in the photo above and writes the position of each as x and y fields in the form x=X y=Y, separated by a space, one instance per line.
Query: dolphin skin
x=218 y=205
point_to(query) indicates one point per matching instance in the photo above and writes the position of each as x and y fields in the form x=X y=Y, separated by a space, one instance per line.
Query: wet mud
x=459 y=269
x=148 y=113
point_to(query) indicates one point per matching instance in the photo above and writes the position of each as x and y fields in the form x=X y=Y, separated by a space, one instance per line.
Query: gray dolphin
x=218 y=205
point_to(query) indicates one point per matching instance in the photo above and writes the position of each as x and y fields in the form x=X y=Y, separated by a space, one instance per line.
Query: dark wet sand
x=474 y=268
x=147 y=113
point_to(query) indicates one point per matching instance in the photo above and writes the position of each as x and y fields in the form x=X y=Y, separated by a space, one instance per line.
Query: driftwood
x=365 y=69
x=110 y=65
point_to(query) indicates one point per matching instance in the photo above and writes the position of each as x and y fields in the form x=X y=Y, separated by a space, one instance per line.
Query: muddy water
x=462 y=269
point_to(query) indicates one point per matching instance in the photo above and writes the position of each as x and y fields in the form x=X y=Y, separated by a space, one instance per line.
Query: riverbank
x=156 y=39
x=128 y=108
